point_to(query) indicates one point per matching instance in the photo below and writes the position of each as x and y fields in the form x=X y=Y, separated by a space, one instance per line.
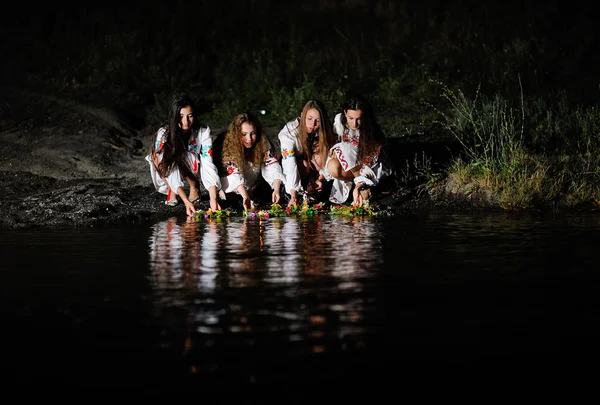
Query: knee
x=334 y=167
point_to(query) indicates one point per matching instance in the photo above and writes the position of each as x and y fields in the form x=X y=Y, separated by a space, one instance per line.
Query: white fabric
x=270 y=169
x=346 y=150
x=290 y=145
x=198 y=159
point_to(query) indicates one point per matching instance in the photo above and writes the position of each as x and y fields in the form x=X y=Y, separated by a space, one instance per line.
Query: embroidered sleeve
x=208 y=170
x=271 y=169
x=159 y=142
x=233 y=177
x=288 y=140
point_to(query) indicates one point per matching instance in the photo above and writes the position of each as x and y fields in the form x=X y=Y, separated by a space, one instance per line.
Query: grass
x=565 y=165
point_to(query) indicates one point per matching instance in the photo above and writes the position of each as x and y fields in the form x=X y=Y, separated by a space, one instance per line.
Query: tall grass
x=495 y=154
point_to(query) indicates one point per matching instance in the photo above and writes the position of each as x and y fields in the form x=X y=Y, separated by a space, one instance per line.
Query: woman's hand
x=275 y=198
x=356 y=196
x=189 y=208
x=241 y=190
x=214 y=205
x=319 y=183
x=212 y=197
x=293 y=199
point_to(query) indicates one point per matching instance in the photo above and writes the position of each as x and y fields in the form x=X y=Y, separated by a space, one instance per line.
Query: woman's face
x=248 y=135
x=312 y=120
x=353 y=118
x=186 y=118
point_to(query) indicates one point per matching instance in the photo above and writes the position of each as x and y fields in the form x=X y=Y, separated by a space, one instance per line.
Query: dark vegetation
x=488 y=98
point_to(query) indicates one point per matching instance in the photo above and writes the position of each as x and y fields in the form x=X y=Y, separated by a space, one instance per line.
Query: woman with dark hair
x=357 y=159
x=182 y=151
x=247 y=161
x=305 y=142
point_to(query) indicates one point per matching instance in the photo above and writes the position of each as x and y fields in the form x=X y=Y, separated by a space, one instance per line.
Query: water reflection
x=289 y=300
x=301 y=281
x=244 y=252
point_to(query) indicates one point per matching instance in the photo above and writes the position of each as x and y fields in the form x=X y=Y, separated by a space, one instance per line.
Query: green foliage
x=276 y=210
x=489 y=130
x=210 y=214
x=356 y=210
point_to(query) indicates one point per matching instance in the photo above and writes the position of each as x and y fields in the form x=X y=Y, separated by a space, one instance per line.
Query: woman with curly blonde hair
x=305 y=143
x=247 y=160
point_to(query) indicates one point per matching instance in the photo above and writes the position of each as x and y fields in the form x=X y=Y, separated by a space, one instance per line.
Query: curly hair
x=325 y=132
x=176 y=141
x=235 y=151
x=371 y=135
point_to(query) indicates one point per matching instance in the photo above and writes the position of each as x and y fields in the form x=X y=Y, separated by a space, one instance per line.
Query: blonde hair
x=325 y=132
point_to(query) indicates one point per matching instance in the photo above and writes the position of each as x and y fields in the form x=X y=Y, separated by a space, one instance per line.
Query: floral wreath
x=276 y=210
x=304 y=210
x=209 y=214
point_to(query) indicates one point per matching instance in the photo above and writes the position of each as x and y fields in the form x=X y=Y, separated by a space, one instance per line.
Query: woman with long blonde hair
x=247 y=160
x=305 y=142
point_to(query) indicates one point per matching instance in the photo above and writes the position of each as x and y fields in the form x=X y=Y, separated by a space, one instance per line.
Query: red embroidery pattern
x=270 y=158
x=287 y=153
x=372 y=160
x=231 y=168
x=341 y=158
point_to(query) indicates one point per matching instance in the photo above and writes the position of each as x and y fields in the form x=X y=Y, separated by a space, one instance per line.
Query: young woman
x=247 y=162
x=182 y=151
x=356 y=160
x=305 y=142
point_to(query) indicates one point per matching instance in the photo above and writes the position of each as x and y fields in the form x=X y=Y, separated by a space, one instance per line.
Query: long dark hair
x=371 y=136
x=176 y=141
x=325 y=133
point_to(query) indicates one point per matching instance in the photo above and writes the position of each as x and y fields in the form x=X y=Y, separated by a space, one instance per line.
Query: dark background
x=132 y=56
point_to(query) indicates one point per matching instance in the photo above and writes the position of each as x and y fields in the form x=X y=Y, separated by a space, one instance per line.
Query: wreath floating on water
x=304 y=210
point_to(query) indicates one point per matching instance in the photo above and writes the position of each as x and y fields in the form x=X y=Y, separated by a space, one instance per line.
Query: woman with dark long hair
x=305 y=142
x=182 y=151
x=356 y=161
x=247 y=161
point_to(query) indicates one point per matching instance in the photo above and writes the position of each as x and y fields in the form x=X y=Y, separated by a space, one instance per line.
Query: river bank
x=65 y=164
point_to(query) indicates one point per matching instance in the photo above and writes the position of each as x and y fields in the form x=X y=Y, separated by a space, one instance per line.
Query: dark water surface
x=297 y=302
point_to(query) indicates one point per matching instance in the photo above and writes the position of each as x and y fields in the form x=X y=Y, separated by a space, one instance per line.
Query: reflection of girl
x=357 y=159
x=183 y=150
x=305 y=142
x=173 y=253
x=247 y=162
